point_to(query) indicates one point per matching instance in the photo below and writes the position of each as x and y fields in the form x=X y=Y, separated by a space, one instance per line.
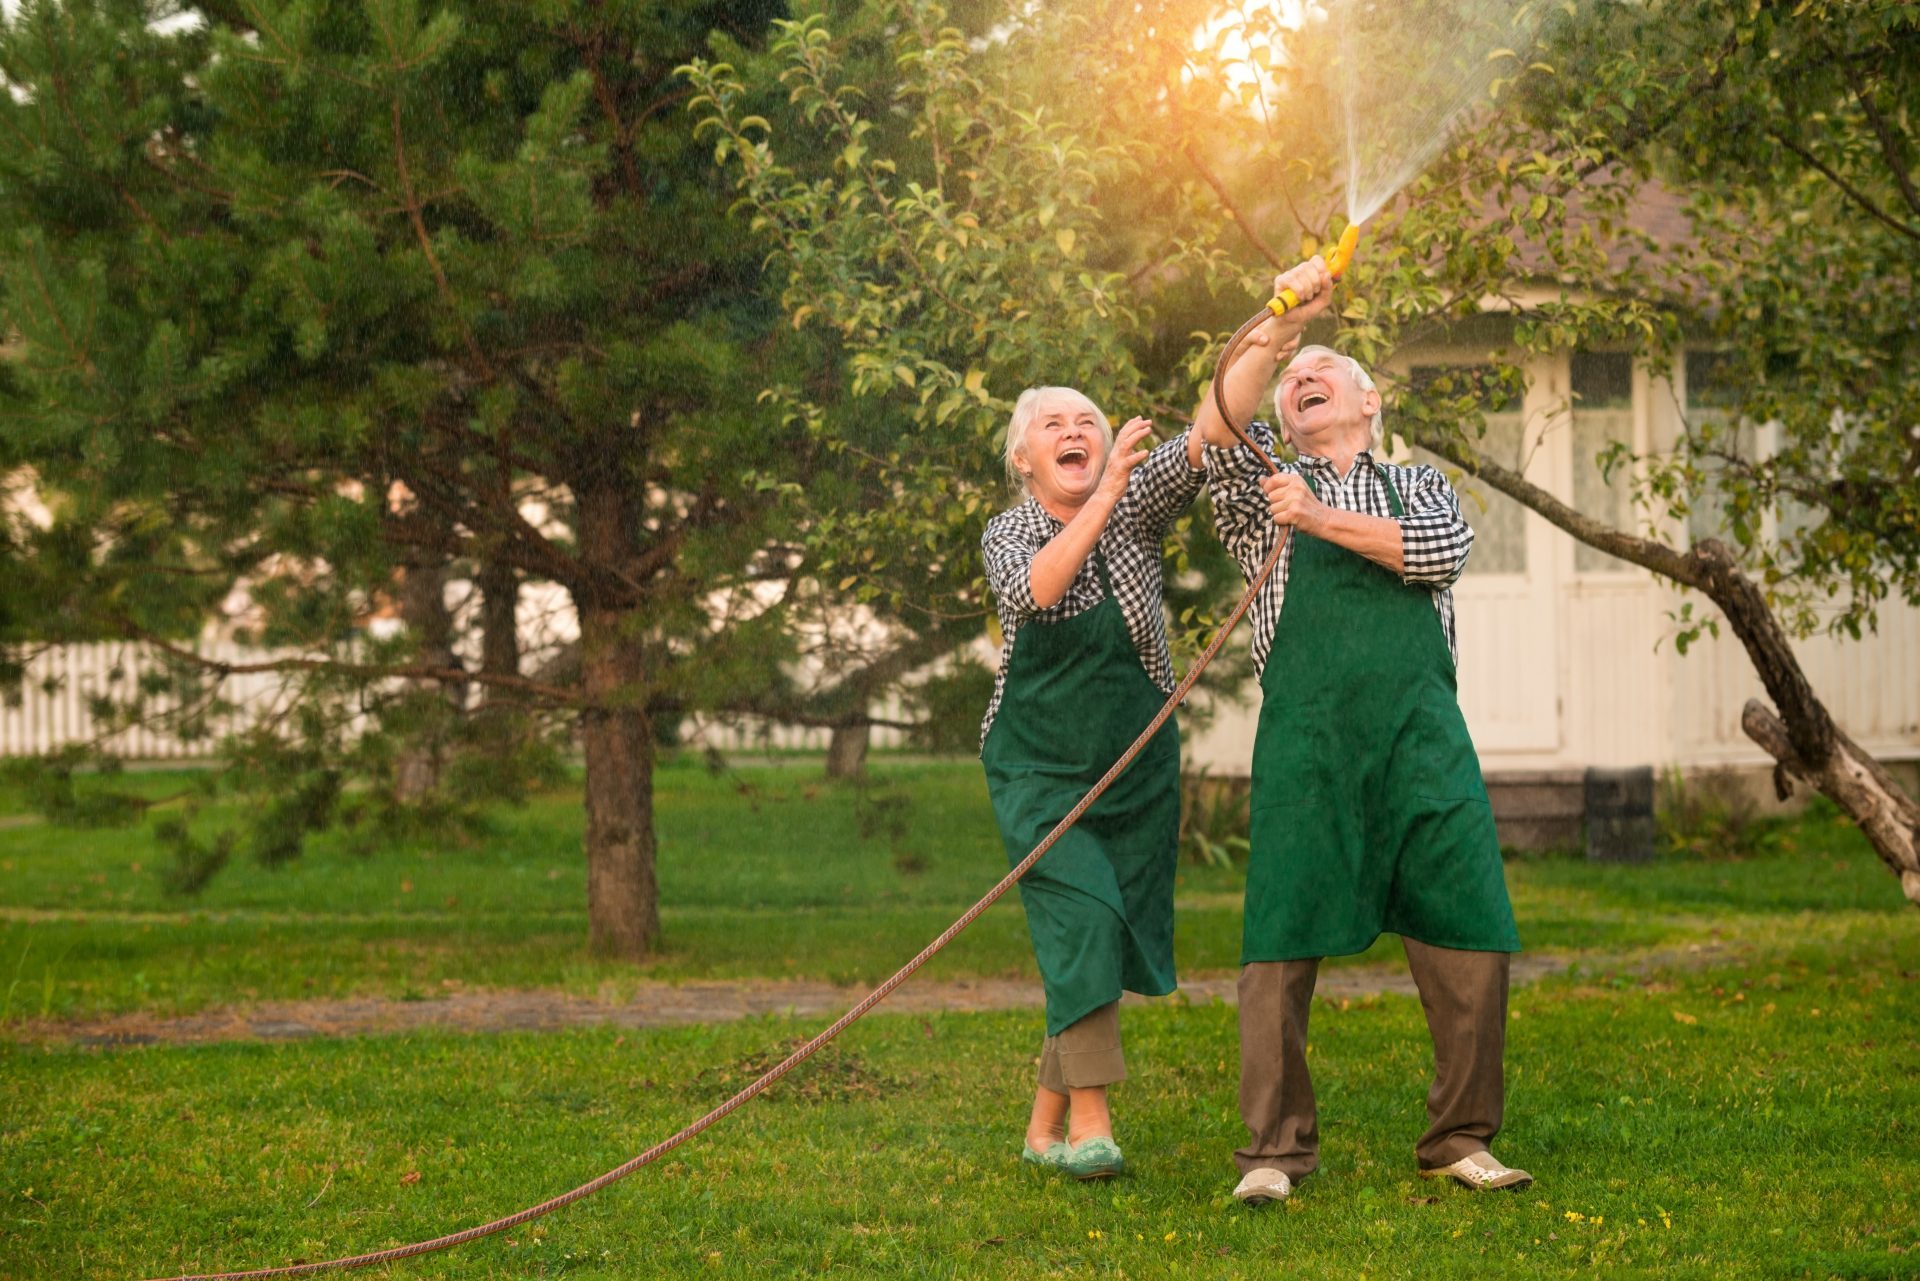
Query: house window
x=1716 y=431
x=1499 y=523
x=1602 y=415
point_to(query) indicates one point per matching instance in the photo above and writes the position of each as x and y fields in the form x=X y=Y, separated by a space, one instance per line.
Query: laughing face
x=1063 y=451
x=1321 y=404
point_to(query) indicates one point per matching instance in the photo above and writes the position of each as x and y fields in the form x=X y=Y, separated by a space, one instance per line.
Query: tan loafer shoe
x=1263 y=1185
x=1480 y=1172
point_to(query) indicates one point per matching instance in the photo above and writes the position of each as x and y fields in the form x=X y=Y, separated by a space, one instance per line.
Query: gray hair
x=1025 y=410
x=1361 y=378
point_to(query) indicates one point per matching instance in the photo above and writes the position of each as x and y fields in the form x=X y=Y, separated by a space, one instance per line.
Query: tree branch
x=1852 y=193
x=1644 y=552
x=1887 y=145
x=1233 y=210
x=414 y=216
x=622 y=138
x=446 y=675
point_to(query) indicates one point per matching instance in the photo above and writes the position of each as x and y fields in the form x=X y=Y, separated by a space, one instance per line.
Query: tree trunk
x=623 y=895
x=423 y=608
x=847 y=750
x=499 y=626
x=1801 y=736
x=499 y=602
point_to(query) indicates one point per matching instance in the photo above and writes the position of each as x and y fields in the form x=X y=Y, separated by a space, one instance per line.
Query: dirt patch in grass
x=832 y=1075
x=672 y=1004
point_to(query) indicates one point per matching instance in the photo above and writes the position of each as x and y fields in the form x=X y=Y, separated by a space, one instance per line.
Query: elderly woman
x=1076 y=571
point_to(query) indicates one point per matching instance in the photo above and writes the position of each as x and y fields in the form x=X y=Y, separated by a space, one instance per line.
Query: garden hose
x=800 y=1055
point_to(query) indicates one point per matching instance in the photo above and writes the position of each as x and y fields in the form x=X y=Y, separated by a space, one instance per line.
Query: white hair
x=1025 y=410
x=1361 y=378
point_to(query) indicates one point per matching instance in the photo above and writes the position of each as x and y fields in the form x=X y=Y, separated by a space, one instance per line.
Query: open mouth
x=1072 y=457
x=1309 y=400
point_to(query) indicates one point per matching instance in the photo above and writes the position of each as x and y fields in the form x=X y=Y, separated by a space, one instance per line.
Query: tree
x=1787 y=126
x=312 y=290
x=1017 y=216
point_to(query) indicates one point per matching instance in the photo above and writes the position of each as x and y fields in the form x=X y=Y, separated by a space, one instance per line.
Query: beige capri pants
x=1085 y=1054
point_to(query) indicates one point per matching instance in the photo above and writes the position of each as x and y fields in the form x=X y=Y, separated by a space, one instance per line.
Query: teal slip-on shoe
x=1097 y=1158
x=1054 y=1158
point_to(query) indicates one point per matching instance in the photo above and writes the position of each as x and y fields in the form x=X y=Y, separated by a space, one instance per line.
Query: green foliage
x=196 y=861
x=949 y=270
x=1712 y=815
x=1214 y=821
x=315 y=295
x=1788 y=132
x=47 y=786
x=1107 y=234
x=949 y=707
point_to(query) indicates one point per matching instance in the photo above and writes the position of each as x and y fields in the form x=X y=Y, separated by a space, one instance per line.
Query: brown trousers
x=1465 y=997
x=1085 y=1054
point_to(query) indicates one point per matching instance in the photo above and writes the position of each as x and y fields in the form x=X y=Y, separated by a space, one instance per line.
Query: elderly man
x=1369 y=813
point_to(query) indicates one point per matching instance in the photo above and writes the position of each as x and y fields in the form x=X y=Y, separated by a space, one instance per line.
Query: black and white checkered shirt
x=1435 y=538
x=1160 y=488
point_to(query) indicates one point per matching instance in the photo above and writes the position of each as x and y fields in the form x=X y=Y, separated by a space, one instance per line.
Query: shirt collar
x=1318 y=463
x=1041 y=513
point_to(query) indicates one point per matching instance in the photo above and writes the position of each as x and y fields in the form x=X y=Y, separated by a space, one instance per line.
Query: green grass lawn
x=1727 y=1083
x=1752 y=1120
x=767 y=871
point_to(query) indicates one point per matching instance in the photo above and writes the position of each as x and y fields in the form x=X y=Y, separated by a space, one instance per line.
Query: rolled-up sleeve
x=1239 y=504
x=1162 y=487
x=1009 y=546
x=1435 y=538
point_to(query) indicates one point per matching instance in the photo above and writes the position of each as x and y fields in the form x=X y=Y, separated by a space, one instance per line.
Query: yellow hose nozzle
x=1336 y=264
x=1343 y=252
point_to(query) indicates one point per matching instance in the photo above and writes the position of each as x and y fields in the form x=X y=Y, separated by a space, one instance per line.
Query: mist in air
x=1411 y=72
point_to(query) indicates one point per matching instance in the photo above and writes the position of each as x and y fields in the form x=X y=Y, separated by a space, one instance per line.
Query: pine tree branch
x=414 y=216
x=338 y=667
x=81 y=360
x=622 y=139
x=140 y=211
x=789 y=712
x=525 y=546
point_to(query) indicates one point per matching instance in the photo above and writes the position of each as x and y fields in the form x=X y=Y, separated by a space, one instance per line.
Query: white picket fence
x=753 y=734
x=51 y=708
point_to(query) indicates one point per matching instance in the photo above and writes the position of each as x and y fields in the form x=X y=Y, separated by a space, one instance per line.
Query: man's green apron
x=1369 y=813
x=1100 y=902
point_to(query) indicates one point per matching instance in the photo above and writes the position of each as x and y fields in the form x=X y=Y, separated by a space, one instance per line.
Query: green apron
x=1100 y=902
x=1369 y=813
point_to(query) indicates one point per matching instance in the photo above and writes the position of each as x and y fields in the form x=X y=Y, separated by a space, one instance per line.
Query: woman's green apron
x=1100 y=902
x=1369 y=813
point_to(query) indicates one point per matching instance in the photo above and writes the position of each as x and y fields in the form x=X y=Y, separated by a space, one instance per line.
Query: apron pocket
x=1275 y=799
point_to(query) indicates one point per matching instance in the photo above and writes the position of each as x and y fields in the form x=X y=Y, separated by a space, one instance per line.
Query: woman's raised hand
x=1260 y=340
x=1126 y=455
